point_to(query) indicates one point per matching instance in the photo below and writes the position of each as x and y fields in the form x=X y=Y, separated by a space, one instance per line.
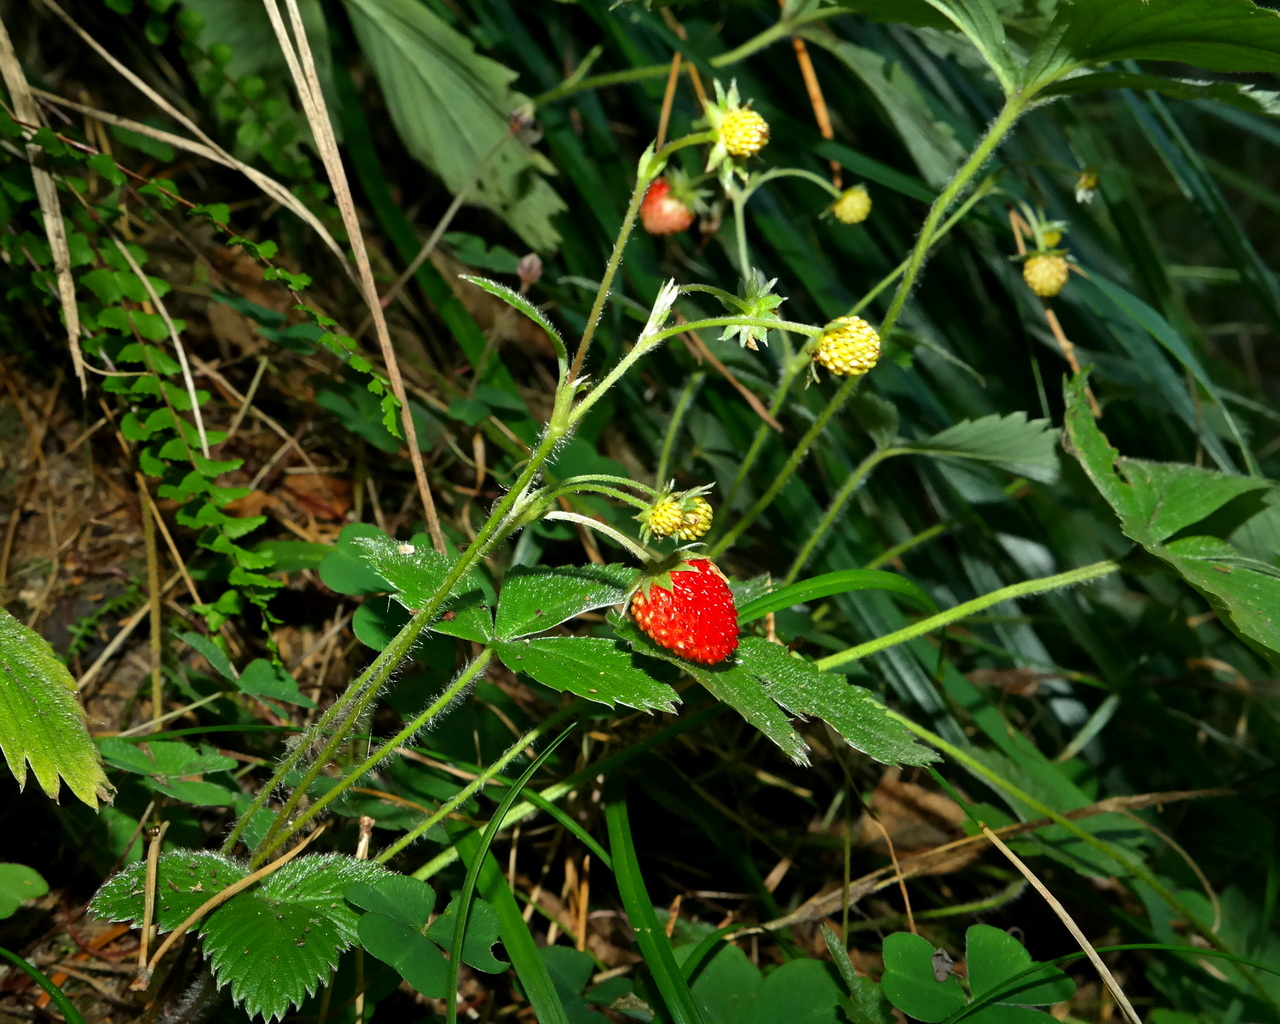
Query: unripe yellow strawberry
x=849 y=347
x=683 y=517
x=665 y=518
x=1045 y=273
x=853 y=206
x=743 y=132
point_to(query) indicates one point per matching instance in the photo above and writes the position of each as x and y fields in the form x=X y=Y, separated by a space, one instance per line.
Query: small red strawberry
x=690 y=611
x=661 y=212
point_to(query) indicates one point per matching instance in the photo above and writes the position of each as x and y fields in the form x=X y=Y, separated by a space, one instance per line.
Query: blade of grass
x=654 y=945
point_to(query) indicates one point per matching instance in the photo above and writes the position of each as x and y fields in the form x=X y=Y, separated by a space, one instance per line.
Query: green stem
x=458 y=686
x=792 y=369
x=645 y=175
x=793 y=461
x=573 y=84
x=648 y=342
x=784 y=28
x=739 y=199
x=482 y=779
x=566 y=489
x=979 y=193
x=851 y=484
x=683 y=404
x=368 y=684
x=617 y=536
x=789 y=172
x=962 y=611
x=378 y=670
x=1013 y=108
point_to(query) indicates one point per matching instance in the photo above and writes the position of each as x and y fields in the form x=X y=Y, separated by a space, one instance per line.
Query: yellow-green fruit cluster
x=1045 y=274
x=743 y=132
x=853 y=206
x=849 y=347
x=687 y=520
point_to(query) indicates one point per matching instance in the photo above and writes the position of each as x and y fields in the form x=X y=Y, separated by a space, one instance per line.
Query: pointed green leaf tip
x=41 y=722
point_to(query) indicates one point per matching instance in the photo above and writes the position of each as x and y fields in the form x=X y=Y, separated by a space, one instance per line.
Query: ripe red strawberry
x=663 y=213
x=690 y=611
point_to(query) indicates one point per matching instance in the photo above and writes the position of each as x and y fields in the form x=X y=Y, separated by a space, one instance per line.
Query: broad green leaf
x=276 y=941
x=477 y=944
x=800 y=991
x=1014 y=443
x=1219 y=35
x=853 y=712
x=979 y=20
x=909 y=981
x=185 y=879
x=835 y=583
x=521 y=304
x=451 y=106
x=592 y=667
x=417 y=959
x=995 y=957
x=262 y=678
x=345 y=568
x=41 y=722
x=534 y=600
x=408 y=900
x=18 y=883
x=273 y=942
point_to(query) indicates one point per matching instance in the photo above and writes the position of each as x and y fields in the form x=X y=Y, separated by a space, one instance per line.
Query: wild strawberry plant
x=274 y=920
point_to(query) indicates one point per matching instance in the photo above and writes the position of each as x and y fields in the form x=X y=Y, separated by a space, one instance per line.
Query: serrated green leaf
x=450 y=106
x=592 y=667
x=1235 y=94
x=995 y=958
x=1218 y=35
x=853 y=712
x=163 y=759
x=1014 y=443
x=518 y=302
x=273 y=943
x=536 y=599
x=41 y=722
x=416 y=572
x=909 y=980
x=730 y=684
x=185 y=879
x=1160 y=500
x=18 y=883
x=213 y=654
